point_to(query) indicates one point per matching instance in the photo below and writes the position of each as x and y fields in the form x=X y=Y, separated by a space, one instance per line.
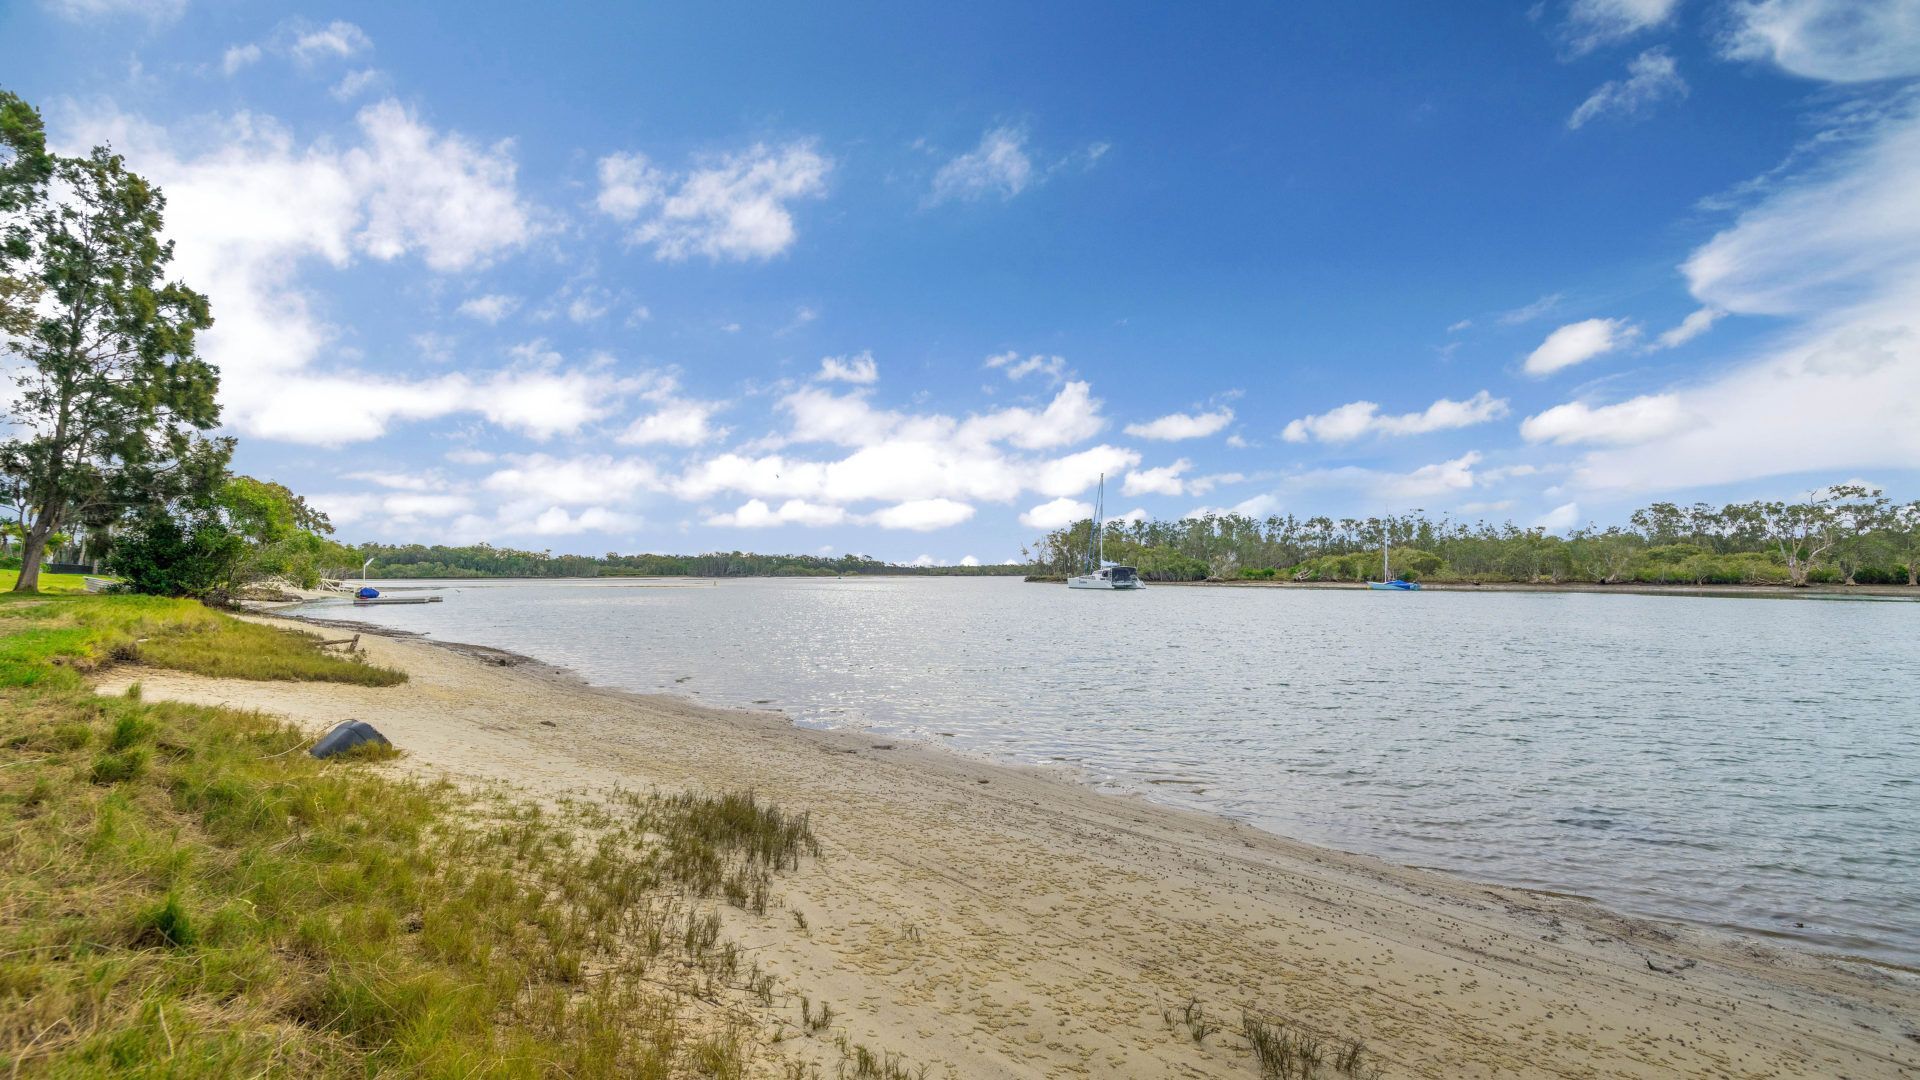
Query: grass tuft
x=183 y=892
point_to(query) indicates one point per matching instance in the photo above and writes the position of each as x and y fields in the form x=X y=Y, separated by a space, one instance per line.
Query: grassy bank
x=49 y=583
x=184 y=891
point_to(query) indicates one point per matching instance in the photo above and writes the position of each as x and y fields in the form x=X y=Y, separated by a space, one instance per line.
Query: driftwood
x=351 y=643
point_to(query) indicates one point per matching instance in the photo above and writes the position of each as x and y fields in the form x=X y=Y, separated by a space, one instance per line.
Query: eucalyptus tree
x=25 y=168
x=1903 y=523
x=111 y=388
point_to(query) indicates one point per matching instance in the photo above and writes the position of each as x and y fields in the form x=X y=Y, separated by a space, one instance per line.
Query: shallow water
x=1736 y=762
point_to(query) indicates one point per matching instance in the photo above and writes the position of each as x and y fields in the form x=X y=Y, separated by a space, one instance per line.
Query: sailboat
x=1387 y=582
x=1099 y=575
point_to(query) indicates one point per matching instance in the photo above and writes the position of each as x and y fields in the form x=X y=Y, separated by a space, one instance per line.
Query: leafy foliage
x=112 y=390
x=485 y=560
x=1845 y=533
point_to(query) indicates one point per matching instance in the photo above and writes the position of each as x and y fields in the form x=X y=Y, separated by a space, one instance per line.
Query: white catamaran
x=1100 y=575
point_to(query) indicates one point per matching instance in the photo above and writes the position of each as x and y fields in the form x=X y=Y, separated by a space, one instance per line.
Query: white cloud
x=1638 y=420
x=756 y=514
x=335 y=41
x=676 y=423
x=436 y=194
x=1592 y=23
x=733 y=207
x=999 y=165
x=1830 y=40
x=1559 y=519
x=249 y=208
x=1137 y=514
x=1164 y=480
x=1529 y=312
x=628 y=185
x=491 y=308
x=1441 y=478
x=1652 y=77
x=155 y=11
x=1183 y=426
x=860 y=370
x=1579 y=342
x=926 y=560
x=399 y=481
x=239 y=56
x=576 y=481
x=1484 y=507
x=1358 y=418
x=470 y=457
x=1837 y=245
x=1463 y=324
x=589 y=305
x=1257 y=507
x=1695 y=324
x=1053 y=367
x=355 y=83
x=556 y=521
x=1826 y=240
x=969 y=560
x=921 y=515
x=1057 y=514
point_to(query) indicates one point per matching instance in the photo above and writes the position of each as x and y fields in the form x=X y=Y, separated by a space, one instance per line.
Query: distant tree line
x=1843 y=534
x=485 y=560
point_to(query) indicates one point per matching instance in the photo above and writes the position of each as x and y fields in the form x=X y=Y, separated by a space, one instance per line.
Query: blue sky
x=904 y=281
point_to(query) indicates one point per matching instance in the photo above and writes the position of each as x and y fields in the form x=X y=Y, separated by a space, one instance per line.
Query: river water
x=1743 y=763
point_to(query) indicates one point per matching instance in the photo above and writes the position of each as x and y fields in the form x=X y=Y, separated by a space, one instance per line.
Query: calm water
x=1753 y=763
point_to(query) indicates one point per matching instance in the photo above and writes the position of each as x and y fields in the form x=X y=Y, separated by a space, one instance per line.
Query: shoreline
x=944 y=868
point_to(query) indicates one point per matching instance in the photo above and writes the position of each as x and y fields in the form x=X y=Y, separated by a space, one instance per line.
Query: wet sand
x=1001 y=922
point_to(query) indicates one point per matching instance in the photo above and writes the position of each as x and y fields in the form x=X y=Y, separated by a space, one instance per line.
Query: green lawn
x=49 y=583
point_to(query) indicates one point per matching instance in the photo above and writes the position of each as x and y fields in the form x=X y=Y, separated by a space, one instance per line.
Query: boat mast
x=1386 y=551
x=1100 y=522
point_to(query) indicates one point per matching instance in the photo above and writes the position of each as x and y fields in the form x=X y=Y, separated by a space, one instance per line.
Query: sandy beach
x=997 y=922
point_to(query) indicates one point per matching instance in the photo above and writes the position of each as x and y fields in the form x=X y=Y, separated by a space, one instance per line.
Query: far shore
x=1809 y=592
x=991 y=921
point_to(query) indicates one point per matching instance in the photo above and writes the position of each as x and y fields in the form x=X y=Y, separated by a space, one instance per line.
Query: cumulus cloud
x=1177 y=426
x=335 y=41
x=1576 y=343
x=1559 y=519
x=676 y=422
x=1165 y=480
x=1593 y=23
x=238 y=57
x=1652 y=77
x=756 y=514
x=1057 y=514
x=730 y=207
x=932 y=467
x=1830 y=40
x=997 y=166
x=860 y=370
x=250 y=208
x=557 y=521
x=1440 y=478
x=573 y=481
x=1647 y=417
x=921 y=515
x=1356 y=419
x=1015 y=368
x=491 y=308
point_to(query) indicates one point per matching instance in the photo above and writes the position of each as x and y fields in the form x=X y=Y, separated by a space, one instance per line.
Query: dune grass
x=185 y=892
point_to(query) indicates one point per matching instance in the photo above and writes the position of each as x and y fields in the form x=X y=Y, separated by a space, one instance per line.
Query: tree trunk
x=33 y=552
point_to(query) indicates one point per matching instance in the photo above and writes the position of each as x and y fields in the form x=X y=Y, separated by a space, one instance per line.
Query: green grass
x=49 y=583
x=63 y=637
x=184 y=892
